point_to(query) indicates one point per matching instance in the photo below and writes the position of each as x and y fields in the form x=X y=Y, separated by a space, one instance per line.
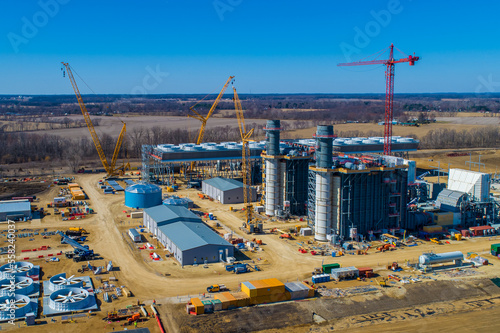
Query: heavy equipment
x=110 y=168
x=80 y=252
x=215 y=288
x=394 y=267
x=245 y=160
x=204 y=119
x=389 y=87
x=384 y=247
x=382 y=283
x=81 y=230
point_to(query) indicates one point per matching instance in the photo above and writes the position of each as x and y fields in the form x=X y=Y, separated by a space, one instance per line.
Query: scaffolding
x=311 y=197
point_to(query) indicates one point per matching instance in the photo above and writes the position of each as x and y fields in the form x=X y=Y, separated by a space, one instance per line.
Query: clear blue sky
x=270 y=46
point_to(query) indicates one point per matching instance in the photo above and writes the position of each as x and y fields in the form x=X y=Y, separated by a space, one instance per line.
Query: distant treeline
x=25 y=147
x=331 y=107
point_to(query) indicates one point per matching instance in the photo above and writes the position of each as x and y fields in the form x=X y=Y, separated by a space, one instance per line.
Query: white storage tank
x=433 y=258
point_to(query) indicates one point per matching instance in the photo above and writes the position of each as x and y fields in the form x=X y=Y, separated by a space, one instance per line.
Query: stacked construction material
x=264 y=291
x=76 y=191
x=298 y=290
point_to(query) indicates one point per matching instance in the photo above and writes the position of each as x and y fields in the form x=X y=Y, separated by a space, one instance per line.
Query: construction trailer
x=134 y=235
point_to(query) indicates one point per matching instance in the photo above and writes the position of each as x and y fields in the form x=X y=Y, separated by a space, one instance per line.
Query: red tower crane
x=389 y=88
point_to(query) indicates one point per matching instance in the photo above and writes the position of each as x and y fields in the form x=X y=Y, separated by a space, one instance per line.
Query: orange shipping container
x=241 y=299
x=224 y=301
x=198 y=306
x=229 y=297
x=72 y=185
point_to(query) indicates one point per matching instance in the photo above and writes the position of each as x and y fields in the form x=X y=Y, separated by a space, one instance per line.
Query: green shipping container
x=328 y=268
x=495 y=247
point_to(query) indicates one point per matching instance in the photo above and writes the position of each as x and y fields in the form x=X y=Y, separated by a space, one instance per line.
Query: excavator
x=110 y=168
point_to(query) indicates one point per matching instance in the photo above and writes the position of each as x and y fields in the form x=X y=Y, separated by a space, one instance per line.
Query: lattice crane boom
x=110 y=168
x=245 y=157
x=204 y=119
x=389 y=89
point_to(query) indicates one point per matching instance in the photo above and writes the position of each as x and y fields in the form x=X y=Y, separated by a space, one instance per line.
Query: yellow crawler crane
x=110 y=168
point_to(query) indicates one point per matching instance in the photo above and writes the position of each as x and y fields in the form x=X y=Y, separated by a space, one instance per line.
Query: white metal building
x=134 y=235
x=15 y=210
x=227 y=191
x=185 y=236
x=476 y=184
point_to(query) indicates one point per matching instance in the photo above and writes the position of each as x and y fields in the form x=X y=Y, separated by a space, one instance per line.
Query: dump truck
x=382 y=283
x=215 y=288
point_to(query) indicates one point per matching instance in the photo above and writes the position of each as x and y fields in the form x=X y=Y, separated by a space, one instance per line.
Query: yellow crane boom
x=245 y=157
x=110 y=169
x=204 y=119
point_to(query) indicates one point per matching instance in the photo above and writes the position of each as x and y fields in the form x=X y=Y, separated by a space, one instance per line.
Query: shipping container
x=327 y=268
x=217 y=304
x=241 y=299
x=199 y=308
x=495 y=247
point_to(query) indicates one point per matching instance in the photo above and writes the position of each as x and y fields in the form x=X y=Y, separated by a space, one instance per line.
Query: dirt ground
x=151 y=280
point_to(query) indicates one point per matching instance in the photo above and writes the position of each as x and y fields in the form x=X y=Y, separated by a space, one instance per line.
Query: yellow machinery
x=204 y=119
x=110 y=168
x=245 y=161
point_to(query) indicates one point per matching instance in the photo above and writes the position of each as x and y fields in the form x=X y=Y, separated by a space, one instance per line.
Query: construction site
x=256 y=235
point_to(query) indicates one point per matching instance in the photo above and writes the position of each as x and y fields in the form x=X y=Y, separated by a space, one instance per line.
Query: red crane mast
x=389 y=89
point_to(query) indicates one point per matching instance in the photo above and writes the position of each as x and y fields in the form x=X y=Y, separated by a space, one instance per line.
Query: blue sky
x=270 y=46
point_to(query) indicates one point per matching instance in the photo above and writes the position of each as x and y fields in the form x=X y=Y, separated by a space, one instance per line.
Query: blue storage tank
x=142 y=195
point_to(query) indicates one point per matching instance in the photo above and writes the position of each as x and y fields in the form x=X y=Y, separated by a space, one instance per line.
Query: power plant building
x=185 y=236
x=284 y=176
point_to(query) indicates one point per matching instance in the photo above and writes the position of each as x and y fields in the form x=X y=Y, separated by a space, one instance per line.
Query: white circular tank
x=323 y=208
x=272 y=186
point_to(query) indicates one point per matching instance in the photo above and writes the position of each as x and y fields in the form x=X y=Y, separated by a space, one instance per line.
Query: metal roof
x=143 y=188
x=15 y=206
x=190 y=235
x=224 y=184
x=168 y=214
